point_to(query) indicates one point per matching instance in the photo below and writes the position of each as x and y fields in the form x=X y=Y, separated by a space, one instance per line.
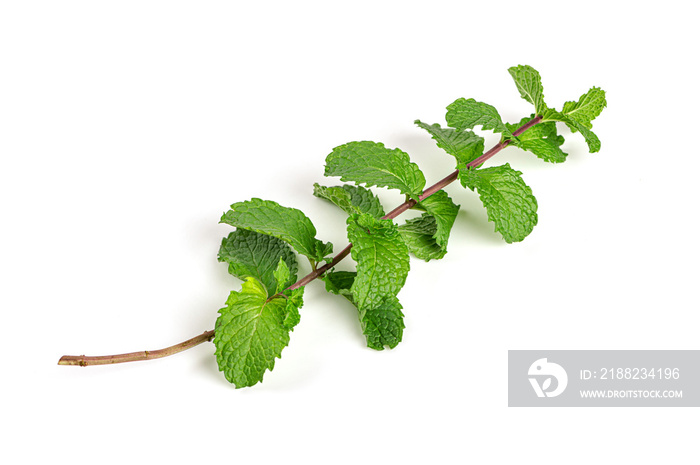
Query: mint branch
x=255 y=325
x=82 y=360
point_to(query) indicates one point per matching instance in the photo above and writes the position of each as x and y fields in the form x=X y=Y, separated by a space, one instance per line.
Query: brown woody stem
x=83 y=361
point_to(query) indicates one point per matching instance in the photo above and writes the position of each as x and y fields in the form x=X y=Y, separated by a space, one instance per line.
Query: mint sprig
x=254 y=326
x=578 y=116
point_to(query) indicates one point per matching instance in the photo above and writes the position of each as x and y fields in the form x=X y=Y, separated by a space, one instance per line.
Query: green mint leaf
x=337 y=196
x=419 y=236
x=250 y=334
x=440 y=206
x=427 y=236
x=339 y=283
x=382 y=266
x=529 y=84
x=351 y=199
x=381 y=256
x=589 y=136
x=382 y=325
x=288 y=224
x=251 y=254
x=291 y=310
x=508 y=200
x=365 y=201
x=541 y=139
x=465 y=146
x=587 y=108
x=579 y=115
x=282 y=276
x=575 y=126
x=373 y=164
x=468 y=113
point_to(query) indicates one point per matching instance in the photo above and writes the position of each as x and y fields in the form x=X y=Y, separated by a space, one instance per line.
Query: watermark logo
x=541 y=374
x=603 y=378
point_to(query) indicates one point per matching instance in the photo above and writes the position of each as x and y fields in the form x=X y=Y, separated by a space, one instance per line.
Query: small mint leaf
x=508 y=200
x=373 y=164
x=288 y=224
x=339 y=283
x=588 y=107
x=291 y=310
x=468 y=113
x=440 y=206
x=541 y=139
x=337 y=196
x=427 y=236
x=282 y=276
x=465 y=146
x=579 y=115
x=589 y=136
x=383 y=325
x=529 y=84
x=323 y=251
x=351 y=199
x=251 y=254
x=575 y=126
x=419 y=236
x=364 y=201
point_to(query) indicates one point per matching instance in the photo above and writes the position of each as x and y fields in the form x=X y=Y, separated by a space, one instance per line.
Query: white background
x=127 y=128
